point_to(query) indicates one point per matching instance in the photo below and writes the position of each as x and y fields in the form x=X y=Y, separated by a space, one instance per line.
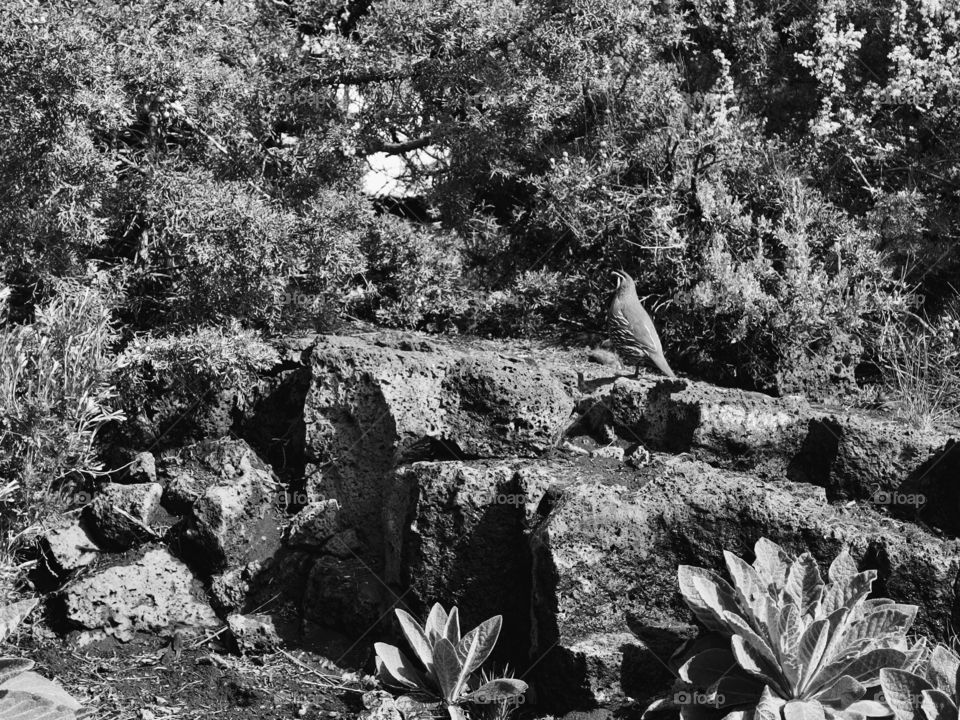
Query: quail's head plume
x=631 y=328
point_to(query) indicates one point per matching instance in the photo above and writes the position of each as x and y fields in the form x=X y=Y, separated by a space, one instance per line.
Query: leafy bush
x=56 y=395
x=186 y=382
x=208 y=251
x=414 y=276
x=449 y=662
x=23 y=693
x=54 y=180
x=933 y=694
x=787 y=301
x=784 y=641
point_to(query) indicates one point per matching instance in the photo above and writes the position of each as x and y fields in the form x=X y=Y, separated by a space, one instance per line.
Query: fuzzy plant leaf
x=436 y=623
x=868 y=709
x=844 y=692
x=416 y=638
x=937 y=705
x=12 y=615
x=476 y=645
x=11 y=667
x=902 y=691
x=747 y=583
x=451 y=630
x=816 y=645
x=29 y=696
x=448 y=669
x=450 y=662
x=396 y=668
x=803 y=710
x=15 y=705
x=944 y=669
x=772 y=563
x=842 y=568
x=768 y=706
x=708 y=595
x=804 y=584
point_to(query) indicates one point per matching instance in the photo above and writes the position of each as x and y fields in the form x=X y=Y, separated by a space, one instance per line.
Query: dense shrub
x=207 y=251
x=413 y=278
x=754 y=277
x=178 y=386
x=791 y=300
x=53 y=177
x=765 y=173
x=56 y=394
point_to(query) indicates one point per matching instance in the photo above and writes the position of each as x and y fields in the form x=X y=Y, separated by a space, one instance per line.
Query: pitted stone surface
x=66 y=545
x=236 y=520
x=371 y=408
x=122 y=515
x=605 y=559
x=151 y=592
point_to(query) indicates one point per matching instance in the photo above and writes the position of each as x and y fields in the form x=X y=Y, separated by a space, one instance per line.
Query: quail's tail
x=661 y=362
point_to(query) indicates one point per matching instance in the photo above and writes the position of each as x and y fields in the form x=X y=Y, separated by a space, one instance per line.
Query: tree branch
x=398 y=148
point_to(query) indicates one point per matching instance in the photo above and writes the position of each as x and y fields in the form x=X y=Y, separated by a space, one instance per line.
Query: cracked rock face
x=860 y=457
x=370 y=408
x=536 y=485
x=606 y=557
x=456 y=535
x=235 y=521
x=122 y=515
x=314 y=525
x=152 y=592
x=66 y=545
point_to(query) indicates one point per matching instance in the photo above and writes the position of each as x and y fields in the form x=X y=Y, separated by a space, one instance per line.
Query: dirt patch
x=146 y=678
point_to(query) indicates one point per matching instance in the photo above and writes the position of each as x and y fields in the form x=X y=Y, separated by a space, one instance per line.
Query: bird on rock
x=631 y=328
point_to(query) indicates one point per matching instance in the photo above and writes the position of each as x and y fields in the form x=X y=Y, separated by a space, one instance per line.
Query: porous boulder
x=151 y=591
x=856 y=456
x=254 y=634
x=370 y=408
x=122 y=516
x=66 y=545
x=456 y=535
x=236 y=520
x=726 y=427
x=314 y=525
x=606 y=557
x=932 y=493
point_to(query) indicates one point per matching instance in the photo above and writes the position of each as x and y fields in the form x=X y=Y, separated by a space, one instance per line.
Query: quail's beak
x=619 y=279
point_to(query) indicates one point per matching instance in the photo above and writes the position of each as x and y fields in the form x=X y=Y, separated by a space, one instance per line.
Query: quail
x=631 y=328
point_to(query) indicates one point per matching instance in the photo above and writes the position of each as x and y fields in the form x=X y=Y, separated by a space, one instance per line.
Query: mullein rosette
x=784 y=644
x=450 y=664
